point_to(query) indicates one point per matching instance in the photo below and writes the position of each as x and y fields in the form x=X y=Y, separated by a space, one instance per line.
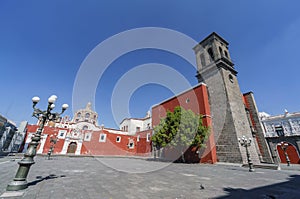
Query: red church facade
x=83 y=136
x=92 y=143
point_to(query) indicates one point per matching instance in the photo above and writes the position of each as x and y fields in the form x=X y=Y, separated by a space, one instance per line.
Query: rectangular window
x=131 y=145
x=87 y=137
x=279 y=131
x=138 y=129
x=62 y=134
x=102 y=137
x=148 y=137
x=118 y=139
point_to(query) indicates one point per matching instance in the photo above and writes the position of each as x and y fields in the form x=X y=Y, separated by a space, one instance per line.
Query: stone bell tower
x=229 y=118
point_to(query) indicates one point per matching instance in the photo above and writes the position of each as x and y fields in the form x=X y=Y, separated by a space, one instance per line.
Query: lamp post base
x=17 y=185
x=251 y=169
x=20 y=182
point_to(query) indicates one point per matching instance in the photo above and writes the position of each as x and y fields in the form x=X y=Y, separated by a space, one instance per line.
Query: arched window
x=79 y=114
x=221 y=51
x=87 y=115
x=211 y=54
x=85 y=127
x=202 y=59
x=231 y=78
x=226 y=54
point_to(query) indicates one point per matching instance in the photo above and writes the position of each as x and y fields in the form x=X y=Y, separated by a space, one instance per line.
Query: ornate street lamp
x=53 y=140
x=20 y=182
x=284 y=146
x=247 y=143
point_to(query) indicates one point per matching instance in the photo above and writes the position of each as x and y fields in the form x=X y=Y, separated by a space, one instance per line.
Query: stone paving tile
x=128 y=178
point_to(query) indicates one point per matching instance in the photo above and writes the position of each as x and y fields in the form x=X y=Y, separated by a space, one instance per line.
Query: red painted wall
x=195 y=99
x=110 y=147
x=246 y=103
x=49 y=131
x=94 y=147
x=144 y=147
x=292 y=154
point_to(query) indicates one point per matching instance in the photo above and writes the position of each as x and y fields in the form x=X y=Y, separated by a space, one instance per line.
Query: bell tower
x=229 y=118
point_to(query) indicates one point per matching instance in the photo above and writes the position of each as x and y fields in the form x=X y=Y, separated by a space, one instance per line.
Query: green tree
x=180 y=129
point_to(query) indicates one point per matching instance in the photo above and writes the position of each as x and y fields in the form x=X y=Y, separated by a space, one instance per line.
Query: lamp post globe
x=52 y=106
x=52 y=99
x=35 y=99
x=65 y=106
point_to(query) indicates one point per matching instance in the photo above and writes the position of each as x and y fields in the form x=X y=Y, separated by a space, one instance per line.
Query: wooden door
x=72 y=147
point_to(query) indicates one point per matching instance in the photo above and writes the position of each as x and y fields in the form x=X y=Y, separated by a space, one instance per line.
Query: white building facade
x=135 y=125
x=284 y=128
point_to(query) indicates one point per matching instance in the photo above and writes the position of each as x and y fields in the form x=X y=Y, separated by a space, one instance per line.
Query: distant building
x=11 y=137
x=18 y=139
x=135 y=125
x=82 y=136
x=283 y=128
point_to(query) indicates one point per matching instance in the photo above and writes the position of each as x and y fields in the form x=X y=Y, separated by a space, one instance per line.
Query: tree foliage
x=180 y=128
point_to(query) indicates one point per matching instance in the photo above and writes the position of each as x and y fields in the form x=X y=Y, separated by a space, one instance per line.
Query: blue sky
x=43 y=44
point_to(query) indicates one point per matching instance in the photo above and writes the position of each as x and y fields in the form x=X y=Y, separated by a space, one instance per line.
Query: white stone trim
x=79 y=146
x=65 y=147
x=42 y=145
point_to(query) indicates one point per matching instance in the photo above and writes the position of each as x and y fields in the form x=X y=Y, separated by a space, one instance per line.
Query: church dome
x=86 y=115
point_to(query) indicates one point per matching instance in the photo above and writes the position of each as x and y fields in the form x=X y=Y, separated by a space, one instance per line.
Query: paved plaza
x=134 y=178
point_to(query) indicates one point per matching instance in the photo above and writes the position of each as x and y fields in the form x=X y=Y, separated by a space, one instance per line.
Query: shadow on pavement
x=287 y=190
x=157 y=160
x=40 y=179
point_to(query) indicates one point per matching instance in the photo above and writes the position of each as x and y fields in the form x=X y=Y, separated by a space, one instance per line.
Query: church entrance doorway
x=72 y=147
